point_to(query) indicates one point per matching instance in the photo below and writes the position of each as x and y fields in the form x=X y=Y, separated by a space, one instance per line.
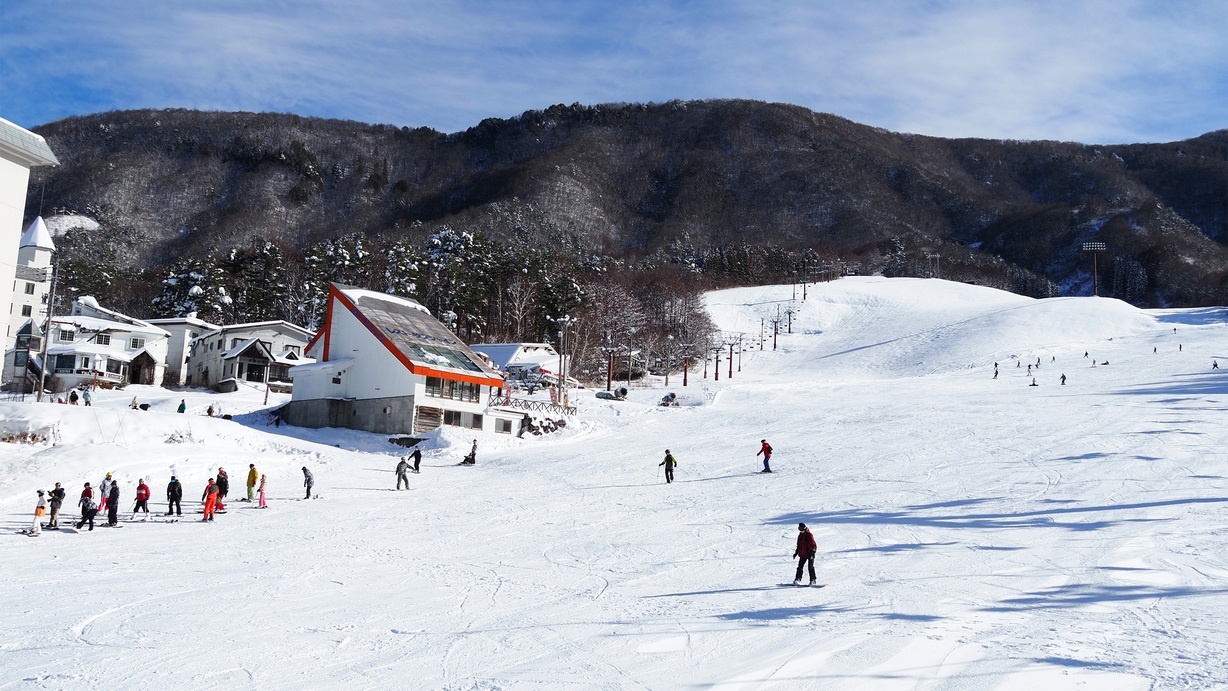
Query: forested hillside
x=516 y=221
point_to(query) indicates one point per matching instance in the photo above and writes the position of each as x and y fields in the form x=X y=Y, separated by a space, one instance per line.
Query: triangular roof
x=416 y=339
x=37 y=235
x=242 y=347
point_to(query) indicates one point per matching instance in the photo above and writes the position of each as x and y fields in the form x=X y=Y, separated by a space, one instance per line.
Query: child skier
x=669 y=464
x=766 y=450
x=806 y=549
x=40 y=510
x=210 y=499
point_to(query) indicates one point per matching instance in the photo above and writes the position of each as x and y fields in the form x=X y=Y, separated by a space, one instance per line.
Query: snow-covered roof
x=355 y=294
x=291 y=358
x=238 y=350
x=37 y=235
x=124 y=322
x=82 y=322
x=187 y=321
x=24 y=147
x=328 y=366
x=504 y=354
x=219 y=330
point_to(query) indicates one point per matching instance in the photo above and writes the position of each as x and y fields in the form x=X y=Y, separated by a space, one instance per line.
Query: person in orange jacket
x=210 y=499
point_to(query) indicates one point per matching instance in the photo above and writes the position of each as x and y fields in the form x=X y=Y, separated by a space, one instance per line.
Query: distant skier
x=1053 y=359
x=73 y=397
x=86 y=397
x=263 y=481
x=402 y=473
x=113 y=505
x=669 y=464
x=1063 y=380
x=223 y=488
x=309 y=481
x=806 y=549
x=1085 y=353
x=1153 y=351
x=56 y=500
x=1214 y=364
x=417 y=458
x=252 y=477
x=174 y=497
x=210 y=499
x=766 y=450
x=88 y=509
x=1029 y=370
x=183 y=406
x=40 y=510
x=1033 y=382
x=142 y=499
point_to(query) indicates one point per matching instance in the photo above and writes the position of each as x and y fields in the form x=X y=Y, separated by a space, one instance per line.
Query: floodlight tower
x=1094 y=248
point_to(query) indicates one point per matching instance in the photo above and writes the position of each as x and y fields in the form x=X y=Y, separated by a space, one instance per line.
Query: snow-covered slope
x=974 y=533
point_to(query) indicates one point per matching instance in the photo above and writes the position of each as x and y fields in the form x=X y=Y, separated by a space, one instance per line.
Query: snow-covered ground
x=973 y=533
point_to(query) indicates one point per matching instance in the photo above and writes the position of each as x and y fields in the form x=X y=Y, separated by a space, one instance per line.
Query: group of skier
x=108 y=499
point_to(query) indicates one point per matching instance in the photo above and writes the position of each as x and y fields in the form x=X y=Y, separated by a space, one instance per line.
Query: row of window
x=457 y=419
x=455 y=390
x=66 y=336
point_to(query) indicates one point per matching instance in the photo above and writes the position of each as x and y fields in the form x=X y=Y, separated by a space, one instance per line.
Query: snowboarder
x=1214 y=364
x=40 y=510
x=183 y=406
x=309 y=481
x=56 y=500
x=142 y=498
x=1063 y=380
x=766 y=450
x=1085 y=353
x=402 y=473
x=806 y=549
x=263 y=480
x=174 y=497
x=417 y=459
x=1033 y=382
x=472 y=458
x=88 y=509
x=223 y=488
x=103 y=489
x=113 y=505
x=86 y=397
x=669 y=464
x=210 y=499
x=252 y=477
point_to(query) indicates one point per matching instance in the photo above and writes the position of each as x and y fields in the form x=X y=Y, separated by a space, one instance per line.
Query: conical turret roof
x=37 y=235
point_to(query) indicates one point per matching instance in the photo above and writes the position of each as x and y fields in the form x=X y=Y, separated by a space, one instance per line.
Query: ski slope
x=974 y=533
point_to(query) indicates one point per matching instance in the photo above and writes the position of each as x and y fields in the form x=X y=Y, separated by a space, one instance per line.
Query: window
x=66 y=336
x=137 y=343
x=476 y=423
x=455 y=390
x=503 y=426
x=19 y=358
x=115 y=367
x=219 y=343
x=29 y=289
x=103 y=339
x=85 y=362
x=337 y=379
x=292 y=349
x=26 y=310
x=452 y=417
x=234 y=342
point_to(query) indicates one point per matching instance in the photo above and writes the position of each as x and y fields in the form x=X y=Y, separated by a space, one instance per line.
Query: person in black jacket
x=56 y=501
x=223 y=488
x=309 y=481
x=174 y=497
x=669 y=464
x=113 y=505
x=417 y=459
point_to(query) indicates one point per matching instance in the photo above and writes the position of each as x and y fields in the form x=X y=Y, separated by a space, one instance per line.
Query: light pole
x=42 y=374
x=564 y=323
x=686 y=360
x=790 y=312
x=740 y=351
x=775 y=331
x=630 y=349
x=1095 y=247
x=669 y=360
x=716 y=370
x=731 y=341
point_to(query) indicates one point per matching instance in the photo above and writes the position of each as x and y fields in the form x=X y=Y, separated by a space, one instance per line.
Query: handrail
x=536 y=406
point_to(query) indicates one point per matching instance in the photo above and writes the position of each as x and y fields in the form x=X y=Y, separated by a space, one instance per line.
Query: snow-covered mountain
x=973 y=531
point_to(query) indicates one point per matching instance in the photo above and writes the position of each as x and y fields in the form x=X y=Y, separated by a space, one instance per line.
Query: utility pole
x=775 y=331
x=686 y=360
x=630 y=349
x=762 y=338
x=1095 y=247
x=716 y=370
x=790 y=312
x=564 y=323
x=669 y=351
x=740 y=351
x=42 y=373
x=731 y=342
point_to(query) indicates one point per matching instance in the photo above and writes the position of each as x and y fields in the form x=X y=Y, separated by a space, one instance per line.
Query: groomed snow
x=973 y=533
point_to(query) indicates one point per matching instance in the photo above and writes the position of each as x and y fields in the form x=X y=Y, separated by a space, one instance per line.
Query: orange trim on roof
x=481 y=380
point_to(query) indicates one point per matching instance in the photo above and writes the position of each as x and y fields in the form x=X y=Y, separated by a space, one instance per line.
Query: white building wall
x=376 y=372
x=14 y=180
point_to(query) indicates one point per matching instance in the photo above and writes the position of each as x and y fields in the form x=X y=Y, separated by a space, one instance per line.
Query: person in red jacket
x=210 y=499
x=805 y=552
x=142 y=496
x=766 y=450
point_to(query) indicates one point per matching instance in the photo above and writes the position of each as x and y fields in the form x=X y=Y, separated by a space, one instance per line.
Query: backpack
x=88 y=506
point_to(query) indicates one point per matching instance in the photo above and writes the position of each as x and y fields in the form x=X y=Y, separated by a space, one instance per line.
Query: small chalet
x=259 y=353
x=95 y=345
x=524 y=361
x=384 y=364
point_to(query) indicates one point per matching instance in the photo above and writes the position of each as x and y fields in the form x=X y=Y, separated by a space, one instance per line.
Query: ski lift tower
x=1094 y=248
x=935 y=264
x=686 y=360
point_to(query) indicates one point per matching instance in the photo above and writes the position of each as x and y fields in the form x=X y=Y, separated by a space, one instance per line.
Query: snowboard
x=802 y=585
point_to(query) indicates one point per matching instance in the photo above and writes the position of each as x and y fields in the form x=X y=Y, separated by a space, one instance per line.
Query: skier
x=73 y=397
x=102 y=493
x=417 y=459
x=1214 y=364
x=263 y=480
x=309 y=481
x=806 y=549
x=40 y=510
x=174 y=497
x=669 y=464
x=88 y=510
x=56 y=500
x=113 y=505
x=766 y=450
x=183 y=406
x=1063 y=380
x=1085 y=354
x=210 y=499
x=1033 y=382
x=252 y=477
x=1029 y=370
x=86 y=397
x=223 y=488
x=142 y=498
x=402 y=473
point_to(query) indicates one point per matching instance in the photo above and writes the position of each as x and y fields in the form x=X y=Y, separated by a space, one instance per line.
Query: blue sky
x=1096 y=72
